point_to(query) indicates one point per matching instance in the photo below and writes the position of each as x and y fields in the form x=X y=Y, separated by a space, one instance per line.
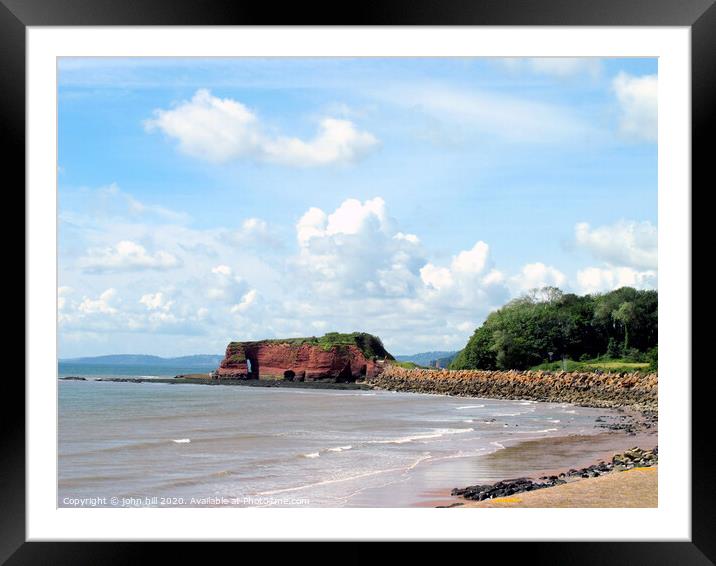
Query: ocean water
x=193 y=445
x=129 y=370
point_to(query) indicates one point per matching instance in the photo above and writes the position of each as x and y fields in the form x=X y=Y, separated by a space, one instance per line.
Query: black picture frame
x=698 y=15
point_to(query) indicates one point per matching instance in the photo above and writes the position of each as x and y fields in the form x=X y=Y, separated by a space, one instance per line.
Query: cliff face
x=339 y=358
x=635 y=390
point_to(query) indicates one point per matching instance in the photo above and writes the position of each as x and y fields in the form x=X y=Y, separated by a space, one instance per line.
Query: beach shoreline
x=549 y=457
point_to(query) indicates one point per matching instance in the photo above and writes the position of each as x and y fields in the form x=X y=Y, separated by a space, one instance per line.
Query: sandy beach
x=637 y=487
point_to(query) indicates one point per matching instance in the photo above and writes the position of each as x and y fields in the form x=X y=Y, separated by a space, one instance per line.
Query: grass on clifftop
x=370 y=345
x=614 y=366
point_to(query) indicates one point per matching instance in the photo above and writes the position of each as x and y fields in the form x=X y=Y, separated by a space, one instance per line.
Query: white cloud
x=355 y=250
x=638 y=102
x=465 y=270
x=255 y=232
x=436 y=277
x=221 y=270
x=412 y=238
x=220 y=130
x=464 y=286
x=597 y=279
x=536 y=276
x=246 y=301
x=125 y=256
x=628 y=250
x=155 y=301
x=353 y=268
x=99 y=305
x=471 y=261
x=337 y=141
x=625 y=243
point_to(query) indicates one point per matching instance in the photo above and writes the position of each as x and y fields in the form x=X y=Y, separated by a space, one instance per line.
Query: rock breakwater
x=634 y=390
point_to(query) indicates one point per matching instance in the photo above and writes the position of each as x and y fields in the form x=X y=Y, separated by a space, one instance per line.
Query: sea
x=187 y=445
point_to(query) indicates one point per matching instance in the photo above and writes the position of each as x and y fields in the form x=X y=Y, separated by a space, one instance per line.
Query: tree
x=524 y=332
x=625 y=315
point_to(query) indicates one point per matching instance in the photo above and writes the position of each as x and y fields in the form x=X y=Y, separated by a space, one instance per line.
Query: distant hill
x=198 y=360
x=428 y=358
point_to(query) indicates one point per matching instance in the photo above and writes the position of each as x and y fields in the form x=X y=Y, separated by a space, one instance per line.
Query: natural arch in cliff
x=345 y=375
x=252 y=365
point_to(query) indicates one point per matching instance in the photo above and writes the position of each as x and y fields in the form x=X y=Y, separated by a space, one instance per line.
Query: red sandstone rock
x=295 y=362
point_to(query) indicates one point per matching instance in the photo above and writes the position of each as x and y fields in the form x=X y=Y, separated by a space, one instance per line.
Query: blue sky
x=204 y=200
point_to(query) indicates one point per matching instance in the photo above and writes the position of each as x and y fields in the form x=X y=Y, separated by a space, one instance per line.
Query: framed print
x=372 y=280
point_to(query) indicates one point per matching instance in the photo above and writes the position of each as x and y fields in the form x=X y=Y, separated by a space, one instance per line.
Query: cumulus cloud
x=357 y=250
x=536 y=276
x=600 y=279
x=625 y=244
x=155 y=301
x=102 y=304
x=628 y=251
x=353 y=267
x=337 y=141
x=638 y=104
x=126 y=256
x=222 y=129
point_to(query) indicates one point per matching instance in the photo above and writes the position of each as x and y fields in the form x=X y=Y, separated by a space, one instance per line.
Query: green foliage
x=653 y=358
x=599 y=364
x=548 y=325
x=406 y=365
x=237 y=358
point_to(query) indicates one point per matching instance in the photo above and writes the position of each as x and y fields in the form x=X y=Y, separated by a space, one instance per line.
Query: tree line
x=547 y=325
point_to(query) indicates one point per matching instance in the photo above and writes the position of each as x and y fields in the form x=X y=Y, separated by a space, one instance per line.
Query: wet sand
x=434 y=480
x=637 y=487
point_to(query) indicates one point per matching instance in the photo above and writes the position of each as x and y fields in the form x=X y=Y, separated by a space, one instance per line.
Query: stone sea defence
x=334 y=357
x=633 y=390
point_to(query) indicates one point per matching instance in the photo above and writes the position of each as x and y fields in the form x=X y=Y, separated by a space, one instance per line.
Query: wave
x=312 y=455
x=181 y=440
x=470 y=407
x=422 y=458
x=340 y=448
x=437 y=433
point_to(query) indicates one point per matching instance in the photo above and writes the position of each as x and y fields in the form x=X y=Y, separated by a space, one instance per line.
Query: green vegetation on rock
x=371 y=346
x=617 y=329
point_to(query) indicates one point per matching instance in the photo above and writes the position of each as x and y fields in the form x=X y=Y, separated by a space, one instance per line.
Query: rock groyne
x=634 y=390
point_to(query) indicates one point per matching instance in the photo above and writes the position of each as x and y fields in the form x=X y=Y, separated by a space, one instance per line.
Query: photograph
x=357 y=282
